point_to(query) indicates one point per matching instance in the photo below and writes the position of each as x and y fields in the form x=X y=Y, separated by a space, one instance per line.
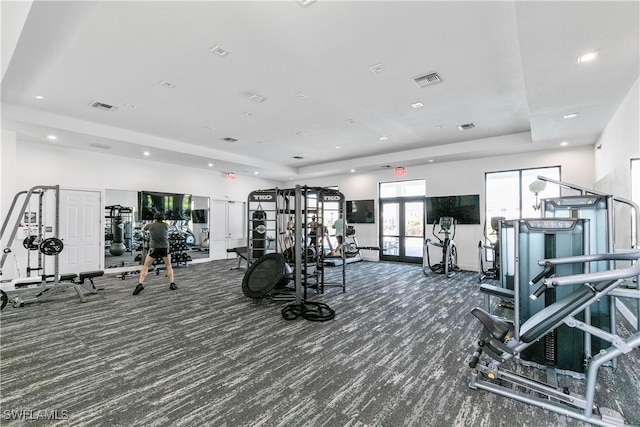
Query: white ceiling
x=509 y=67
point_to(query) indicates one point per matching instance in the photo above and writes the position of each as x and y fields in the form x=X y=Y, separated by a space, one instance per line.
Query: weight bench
x=498 y=348
x=65 y=281
x=242 y=253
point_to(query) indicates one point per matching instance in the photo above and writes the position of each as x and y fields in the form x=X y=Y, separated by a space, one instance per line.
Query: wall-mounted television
x=464 y=209
x=173 y=206
x=360 y=212
x=199 y=216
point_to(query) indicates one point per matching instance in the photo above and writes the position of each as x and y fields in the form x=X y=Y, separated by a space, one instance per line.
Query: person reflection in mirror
x=158 y=249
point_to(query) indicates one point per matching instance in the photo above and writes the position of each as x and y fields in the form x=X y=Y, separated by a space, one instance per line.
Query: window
x=508 y=195
x=415 y=187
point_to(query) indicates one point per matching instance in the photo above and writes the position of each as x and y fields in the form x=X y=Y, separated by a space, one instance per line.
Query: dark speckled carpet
x=206 y=355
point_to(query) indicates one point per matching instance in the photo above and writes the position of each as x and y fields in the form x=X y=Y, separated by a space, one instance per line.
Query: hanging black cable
x=313 y=311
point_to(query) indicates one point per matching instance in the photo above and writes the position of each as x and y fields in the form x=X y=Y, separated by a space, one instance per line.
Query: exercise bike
x=449 y=263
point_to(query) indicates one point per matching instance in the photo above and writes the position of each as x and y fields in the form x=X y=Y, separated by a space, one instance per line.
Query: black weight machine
x=44 y=240
x=281 y=216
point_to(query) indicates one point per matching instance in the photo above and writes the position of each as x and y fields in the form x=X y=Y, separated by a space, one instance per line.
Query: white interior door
x=228 y=227
x=81 y=231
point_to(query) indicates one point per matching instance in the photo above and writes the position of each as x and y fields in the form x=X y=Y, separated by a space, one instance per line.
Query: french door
x=402 y=229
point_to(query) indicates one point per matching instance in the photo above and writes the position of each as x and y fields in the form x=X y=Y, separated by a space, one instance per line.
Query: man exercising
x=158 y=249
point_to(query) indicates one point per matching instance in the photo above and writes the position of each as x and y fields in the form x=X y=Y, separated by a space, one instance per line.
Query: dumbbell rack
x=177 y=249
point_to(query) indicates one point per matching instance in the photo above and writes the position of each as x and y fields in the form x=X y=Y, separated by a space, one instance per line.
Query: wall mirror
x=126 y=246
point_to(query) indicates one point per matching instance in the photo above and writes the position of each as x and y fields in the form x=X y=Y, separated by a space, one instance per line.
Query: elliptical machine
x=449 y=262
x=489 y=246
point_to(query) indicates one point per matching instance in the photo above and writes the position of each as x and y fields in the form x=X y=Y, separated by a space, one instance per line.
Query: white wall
x=620 y=140
x=618 y=144
x=457 y=178
x=26 y=164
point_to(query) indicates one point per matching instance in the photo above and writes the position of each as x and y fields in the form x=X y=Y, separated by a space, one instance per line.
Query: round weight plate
x=263 y=275
x=29 y=243
x=51 y=246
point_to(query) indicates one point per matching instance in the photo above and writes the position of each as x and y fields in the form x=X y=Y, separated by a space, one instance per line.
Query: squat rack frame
x=270 y=226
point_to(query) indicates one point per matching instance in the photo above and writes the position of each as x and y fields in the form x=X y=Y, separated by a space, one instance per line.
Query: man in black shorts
x=158 y=249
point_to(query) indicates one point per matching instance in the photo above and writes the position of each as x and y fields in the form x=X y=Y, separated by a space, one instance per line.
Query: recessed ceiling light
x=301 y=134
x=301 y=95
x=219 y=51
x=210 y=165
x=256 y=173
x=571 y=115
x=146 y=153
x=384 y=138
x=130 y=105
x=564 y=143
x=352 y=170
x=589 y=56
x=167 y=84
x=430 y=160
x=338 y=147
x=52 y=137
x=417 y=105
x=39 y=97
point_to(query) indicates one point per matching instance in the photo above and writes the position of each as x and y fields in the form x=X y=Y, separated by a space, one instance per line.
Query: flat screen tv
x=173 y=206
x=360 y=212
x=199 y=216
x=464 y=209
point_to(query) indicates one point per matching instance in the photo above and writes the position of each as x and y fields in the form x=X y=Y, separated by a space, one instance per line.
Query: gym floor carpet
x=206 y=355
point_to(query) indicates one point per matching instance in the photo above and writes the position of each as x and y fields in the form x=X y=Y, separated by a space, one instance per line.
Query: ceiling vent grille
x=103 y=106
x=427 y=80
x=467 y=126
x=229 y=139
x=101 y=146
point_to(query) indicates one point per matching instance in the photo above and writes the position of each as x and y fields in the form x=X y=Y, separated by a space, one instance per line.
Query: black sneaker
x=138 y=289
x=173 y=287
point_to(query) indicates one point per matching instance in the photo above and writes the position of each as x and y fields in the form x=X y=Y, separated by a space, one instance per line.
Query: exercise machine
x=495 y=348
x=279 y=224
x=448 y=264
x=350 y=246
x=489 y=250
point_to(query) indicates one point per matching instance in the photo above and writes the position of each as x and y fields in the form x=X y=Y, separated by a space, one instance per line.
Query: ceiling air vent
x=427 y=80
x=103 y=106
x=298 y=157
x=101 y=146
x=229 y=139
x=467 y=126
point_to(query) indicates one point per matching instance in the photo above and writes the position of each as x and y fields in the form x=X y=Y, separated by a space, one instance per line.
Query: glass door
x=402 y=229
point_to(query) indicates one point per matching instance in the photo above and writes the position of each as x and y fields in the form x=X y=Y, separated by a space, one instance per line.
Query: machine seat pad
x=90 y=274
x=495 y=325
x=241 y=251
x=546 y=319
x=498 y=291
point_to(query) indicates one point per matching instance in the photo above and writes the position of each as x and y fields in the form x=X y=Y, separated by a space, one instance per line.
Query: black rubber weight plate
x=263 y=275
